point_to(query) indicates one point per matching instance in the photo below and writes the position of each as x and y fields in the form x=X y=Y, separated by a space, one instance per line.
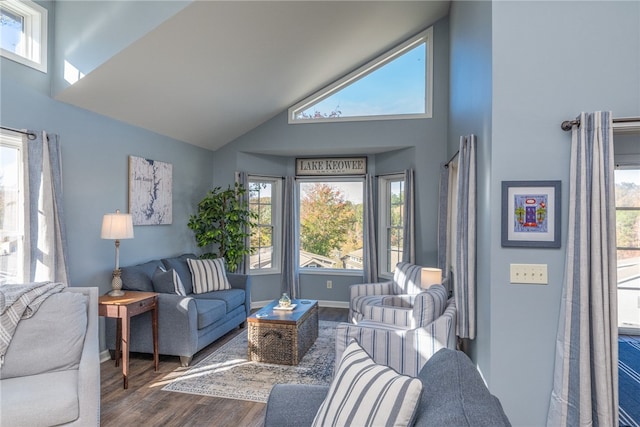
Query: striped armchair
x=403 y=349
x=398 y=292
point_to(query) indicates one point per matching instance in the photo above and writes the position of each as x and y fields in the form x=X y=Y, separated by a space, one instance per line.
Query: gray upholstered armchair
x=397 y=292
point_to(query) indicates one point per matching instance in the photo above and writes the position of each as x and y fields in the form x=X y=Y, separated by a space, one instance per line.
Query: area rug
x=629 y=380
x=228 y=373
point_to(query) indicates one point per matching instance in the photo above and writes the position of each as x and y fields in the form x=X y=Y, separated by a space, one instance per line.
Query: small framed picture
x=531 y=214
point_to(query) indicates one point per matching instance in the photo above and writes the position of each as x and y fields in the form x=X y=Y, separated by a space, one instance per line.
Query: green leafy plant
x=223 y=220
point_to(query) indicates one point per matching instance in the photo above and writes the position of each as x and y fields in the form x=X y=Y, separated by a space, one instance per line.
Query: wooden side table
x=123 y=308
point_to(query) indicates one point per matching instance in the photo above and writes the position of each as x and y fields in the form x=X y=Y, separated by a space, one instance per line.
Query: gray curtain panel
x=243 y=267
x=409 y=246
x=290 y=251
x=585 y=381
x=370 y=242
x=45 y=235
x=465 y=256
x=443 y=230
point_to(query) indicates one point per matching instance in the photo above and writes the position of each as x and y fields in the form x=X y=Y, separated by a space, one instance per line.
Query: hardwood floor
x=145 y=404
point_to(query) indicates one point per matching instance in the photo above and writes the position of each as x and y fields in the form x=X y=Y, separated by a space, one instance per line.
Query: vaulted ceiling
x=218 y=69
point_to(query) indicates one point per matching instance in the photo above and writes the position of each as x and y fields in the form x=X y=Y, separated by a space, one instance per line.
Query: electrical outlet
x=329 y=284
x=529 y=273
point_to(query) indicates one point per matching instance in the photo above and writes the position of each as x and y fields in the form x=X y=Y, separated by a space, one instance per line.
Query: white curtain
x=464 y=264
x=585 y=382
x=409 y=246
x=370 y=243
x=45 y=244
x=290 y=251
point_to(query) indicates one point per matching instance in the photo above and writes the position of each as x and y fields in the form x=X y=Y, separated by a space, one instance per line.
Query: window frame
x=384 y=220
x=35 y=34
x=322 y=270
x=425 y=36
x=276 y=223
x=16 y=142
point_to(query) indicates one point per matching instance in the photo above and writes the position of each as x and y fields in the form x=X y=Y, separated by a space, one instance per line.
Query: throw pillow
x=167 y=282
x=364 y=393
x=208 y=275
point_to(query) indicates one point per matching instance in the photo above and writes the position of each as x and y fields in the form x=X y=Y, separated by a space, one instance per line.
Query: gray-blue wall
x=547 y=62
x=95 y=153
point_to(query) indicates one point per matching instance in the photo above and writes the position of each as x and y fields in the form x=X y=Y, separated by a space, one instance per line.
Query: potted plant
x=223 y=221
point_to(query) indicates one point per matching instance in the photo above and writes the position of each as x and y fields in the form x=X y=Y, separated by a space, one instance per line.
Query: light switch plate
x=529 y=274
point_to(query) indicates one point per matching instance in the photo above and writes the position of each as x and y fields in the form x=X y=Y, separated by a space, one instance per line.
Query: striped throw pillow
x=208 y=275
x=364 y=393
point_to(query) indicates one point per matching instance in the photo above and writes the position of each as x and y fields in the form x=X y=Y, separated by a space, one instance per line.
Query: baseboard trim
x=104 y=356
x=321 y=303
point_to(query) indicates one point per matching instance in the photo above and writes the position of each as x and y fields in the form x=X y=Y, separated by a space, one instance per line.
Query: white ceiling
x=218 y=69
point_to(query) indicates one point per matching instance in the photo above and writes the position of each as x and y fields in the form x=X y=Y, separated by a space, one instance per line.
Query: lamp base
x=116 y=284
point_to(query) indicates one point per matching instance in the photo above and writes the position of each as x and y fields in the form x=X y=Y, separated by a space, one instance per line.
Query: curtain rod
x=446 y=165
x=568 y=124
x=30 y=135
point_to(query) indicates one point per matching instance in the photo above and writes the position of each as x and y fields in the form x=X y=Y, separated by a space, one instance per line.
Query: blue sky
x=396 y=88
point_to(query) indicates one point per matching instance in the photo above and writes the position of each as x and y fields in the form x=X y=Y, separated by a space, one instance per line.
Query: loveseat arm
x=361 y=289
x=294 y=405
x=177 y=328
x=242 y=281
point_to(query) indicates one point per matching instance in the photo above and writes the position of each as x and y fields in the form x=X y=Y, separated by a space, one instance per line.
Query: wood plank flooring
x=145 y=404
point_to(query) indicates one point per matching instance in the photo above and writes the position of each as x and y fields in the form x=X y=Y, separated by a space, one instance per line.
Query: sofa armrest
x=242 y=281
x=294 y=405
x=89 y=368
x=382 y=288
x=398 y=316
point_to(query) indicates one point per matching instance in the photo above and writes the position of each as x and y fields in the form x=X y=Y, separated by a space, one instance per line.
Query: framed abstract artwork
x=531 y=214
x=150 y=193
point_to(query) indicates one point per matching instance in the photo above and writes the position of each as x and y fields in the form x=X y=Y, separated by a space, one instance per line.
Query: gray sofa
x=51 y=371
x=453 y=394
x=186 y=324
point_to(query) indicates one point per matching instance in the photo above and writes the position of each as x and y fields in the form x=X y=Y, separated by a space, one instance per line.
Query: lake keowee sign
x=331 y=166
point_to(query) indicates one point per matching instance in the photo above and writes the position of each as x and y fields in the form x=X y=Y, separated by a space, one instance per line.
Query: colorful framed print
x=531 y=214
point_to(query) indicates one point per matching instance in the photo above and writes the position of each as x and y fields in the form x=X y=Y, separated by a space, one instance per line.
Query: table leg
x=126 y=323
x=154 y=315
x=118 y=340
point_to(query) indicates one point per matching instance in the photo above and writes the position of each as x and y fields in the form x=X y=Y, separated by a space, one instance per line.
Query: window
x=331 y=224
x=396 y=85
x=23 y=26
x=11 y=210
x=627 y=195
x=264 y=200
x=391 y=219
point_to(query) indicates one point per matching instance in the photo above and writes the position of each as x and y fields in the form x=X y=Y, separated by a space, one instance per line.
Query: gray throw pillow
x=167 y=282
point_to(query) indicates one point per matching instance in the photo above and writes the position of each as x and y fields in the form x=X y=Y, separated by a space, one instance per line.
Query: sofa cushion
x=58 y=332
x=209 y=311
x=208 y=275
x=32 y=401
x=232 y=297
x=367 y=393
x=179 y=264
x=138 y=277
x=167 y=282
x=455 y=394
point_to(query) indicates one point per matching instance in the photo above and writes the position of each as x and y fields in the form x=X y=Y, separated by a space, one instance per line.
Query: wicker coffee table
x=283 y=337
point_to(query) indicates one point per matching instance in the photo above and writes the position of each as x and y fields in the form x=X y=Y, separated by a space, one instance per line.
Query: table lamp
x=430 y=276
x=117 y=226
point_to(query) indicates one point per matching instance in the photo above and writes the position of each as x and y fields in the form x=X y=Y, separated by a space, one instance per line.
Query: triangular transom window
x=396 y=85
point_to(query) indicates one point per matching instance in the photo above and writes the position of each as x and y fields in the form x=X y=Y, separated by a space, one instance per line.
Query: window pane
x=628 y=288
x=260 y=203
x=628 y=228
x=10 y=230
x=11 y=31
x=628 y=188
x=331 y=224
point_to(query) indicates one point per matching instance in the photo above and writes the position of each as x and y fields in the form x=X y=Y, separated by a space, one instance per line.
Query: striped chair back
x=406 y=279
